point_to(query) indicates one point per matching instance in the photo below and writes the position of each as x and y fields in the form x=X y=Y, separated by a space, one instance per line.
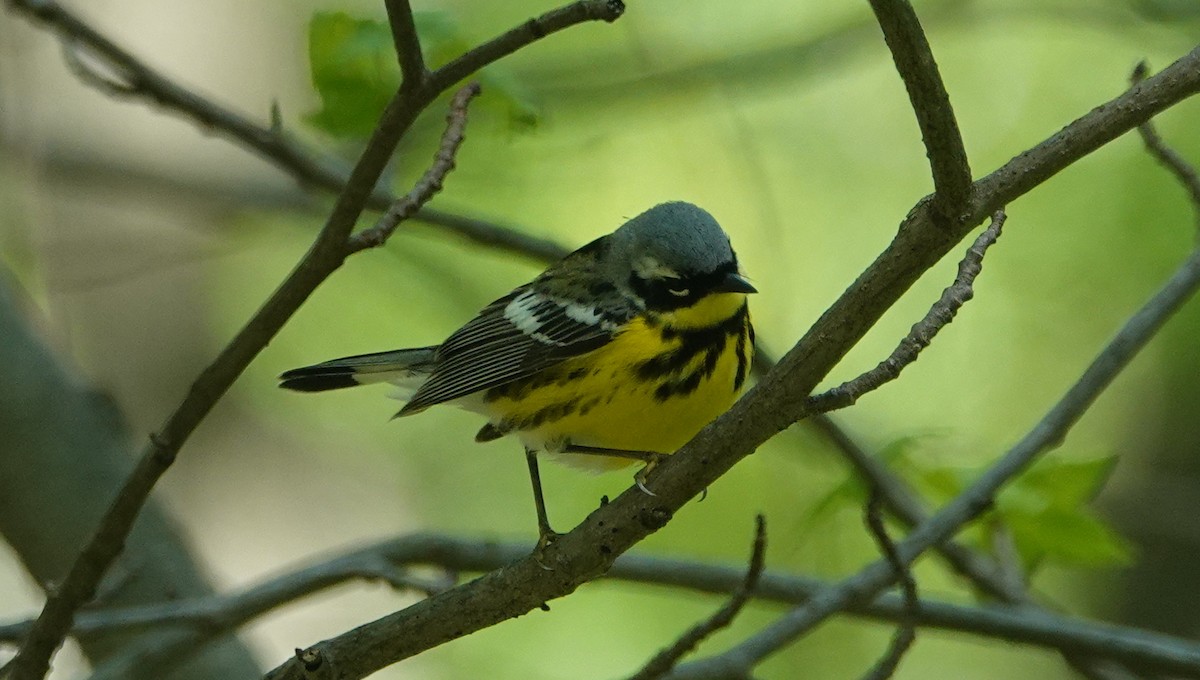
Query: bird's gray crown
x=676 y=237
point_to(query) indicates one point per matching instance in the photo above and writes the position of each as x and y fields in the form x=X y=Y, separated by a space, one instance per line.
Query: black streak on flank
x=666 y=369
x=742 y=357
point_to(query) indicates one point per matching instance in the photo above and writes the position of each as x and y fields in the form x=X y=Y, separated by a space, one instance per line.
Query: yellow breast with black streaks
x=652 y=388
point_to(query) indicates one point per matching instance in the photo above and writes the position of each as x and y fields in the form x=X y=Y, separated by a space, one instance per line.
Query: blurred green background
x=143 y=244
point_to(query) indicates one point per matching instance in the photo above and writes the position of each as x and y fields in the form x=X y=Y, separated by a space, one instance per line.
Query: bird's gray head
x=672 y=255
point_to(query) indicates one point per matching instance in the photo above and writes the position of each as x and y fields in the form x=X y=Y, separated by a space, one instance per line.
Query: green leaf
x=354 y=70
x=1066 y=537
x=1069 y=483
x=1046 y=512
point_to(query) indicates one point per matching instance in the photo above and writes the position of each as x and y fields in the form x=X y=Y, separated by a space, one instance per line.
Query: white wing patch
x=523 y=311
x=533 y=313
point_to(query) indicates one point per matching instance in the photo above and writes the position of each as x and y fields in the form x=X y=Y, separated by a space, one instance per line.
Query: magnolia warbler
x=621 y=351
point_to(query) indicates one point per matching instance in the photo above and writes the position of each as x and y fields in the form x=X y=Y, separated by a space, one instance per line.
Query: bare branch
x=922 y=333
x=325 y=256
x=430 y=183
x=408 y=43
x=1168 y=157
x=939 y=130
x=666 y=659
x=906 y=634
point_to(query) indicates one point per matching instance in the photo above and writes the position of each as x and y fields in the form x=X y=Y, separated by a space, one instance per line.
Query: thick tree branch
x=326 y=255
x=774 y=404
x=939 y=130
x=220 y=613
x=65 y=451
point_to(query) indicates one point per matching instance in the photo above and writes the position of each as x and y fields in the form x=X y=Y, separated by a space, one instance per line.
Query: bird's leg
x=546 y=535
x=650 y=458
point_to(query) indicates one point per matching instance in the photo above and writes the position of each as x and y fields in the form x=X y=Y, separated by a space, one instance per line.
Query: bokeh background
x=141 y=244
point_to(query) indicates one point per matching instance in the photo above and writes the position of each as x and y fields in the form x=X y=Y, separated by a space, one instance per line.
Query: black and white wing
x=516 y=336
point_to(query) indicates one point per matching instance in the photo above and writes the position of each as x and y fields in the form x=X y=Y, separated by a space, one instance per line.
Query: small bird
x=620 y=352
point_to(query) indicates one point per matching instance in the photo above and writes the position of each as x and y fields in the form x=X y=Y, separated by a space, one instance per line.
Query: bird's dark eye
x=679 y=292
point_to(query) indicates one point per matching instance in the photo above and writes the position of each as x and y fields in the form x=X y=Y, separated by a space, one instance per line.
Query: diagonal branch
x=324 y=257
x=904 y=505
x=939 y=130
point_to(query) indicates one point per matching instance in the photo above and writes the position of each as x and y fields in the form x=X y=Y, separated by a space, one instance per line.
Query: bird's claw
x=652 y=462
x=546 y=537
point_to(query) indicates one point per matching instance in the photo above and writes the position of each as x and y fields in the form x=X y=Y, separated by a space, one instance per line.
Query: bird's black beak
x=735 y=283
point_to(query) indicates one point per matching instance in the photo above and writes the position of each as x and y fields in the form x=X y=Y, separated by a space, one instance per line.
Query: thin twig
x=922 y=333
x=325 y=256
x=666 y=659
x=968 y=505
x=906 y=633
x=408 y=43
x=939 y=130
x=430 y=183
x=1168 y=157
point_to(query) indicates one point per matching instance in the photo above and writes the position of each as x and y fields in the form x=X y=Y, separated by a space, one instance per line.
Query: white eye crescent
x=679 y=292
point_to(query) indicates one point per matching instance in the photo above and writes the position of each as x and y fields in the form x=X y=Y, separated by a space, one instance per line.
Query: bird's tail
x=405 y=368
